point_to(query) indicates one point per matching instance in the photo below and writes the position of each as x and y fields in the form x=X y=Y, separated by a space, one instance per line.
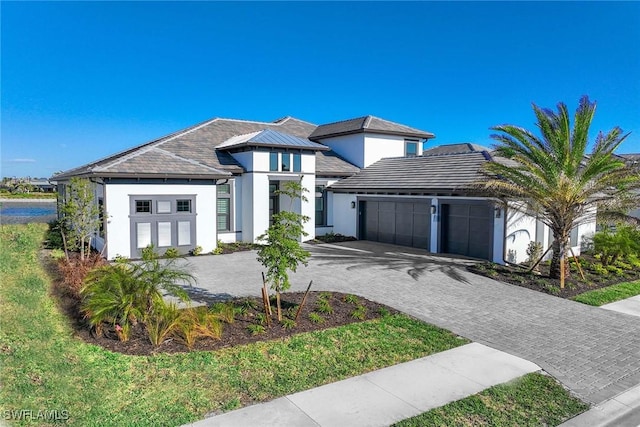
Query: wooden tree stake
x=304 y=299
x=575 y=259
x=266 y=292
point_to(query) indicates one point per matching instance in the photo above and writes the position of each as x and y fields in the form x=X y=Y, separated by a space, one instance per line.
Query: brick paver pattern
x=593 y=352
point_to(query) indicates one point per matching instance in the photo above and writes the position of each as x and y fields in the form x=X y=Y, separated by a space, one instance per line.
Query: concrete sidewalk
x=629 y=306
x=386 y=396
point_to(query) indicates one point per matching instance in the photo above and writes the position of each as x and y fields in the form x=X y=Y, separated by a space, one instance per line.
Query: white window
x=143 y=234
x=164 y=234
x=184 y=233
x=411 y=148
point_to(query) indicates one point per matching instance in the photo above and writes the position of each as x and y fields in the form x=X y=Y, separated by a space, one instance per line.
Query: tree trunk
x=559 y=267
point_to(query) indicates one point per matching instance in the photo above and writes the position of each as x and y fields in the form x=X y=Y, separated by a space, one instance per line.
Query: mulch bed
x=236 y=333
x=540 y=281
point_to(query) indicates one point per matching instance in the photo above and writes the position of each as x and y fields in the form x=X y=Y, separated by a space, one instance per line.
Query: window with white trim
x=223 y=207
x=410 y=147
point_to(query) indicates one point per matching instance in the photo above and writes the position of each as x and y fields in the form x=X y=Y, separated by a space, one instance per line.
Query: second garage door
x=467 y=229
x=400 y=223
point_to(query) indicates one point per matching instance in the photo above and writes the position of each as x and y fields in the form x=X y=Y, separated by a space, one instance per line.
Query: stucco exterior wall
x=521 y=229
x=345 y=218
x=350 y=147
x=379 y=146
x=117 y=207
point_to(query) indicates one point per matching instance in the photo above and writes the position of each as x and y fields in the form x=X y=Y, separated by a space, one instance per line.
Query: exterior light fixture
x=434 y=209
x=353 y=205
x=497 y=211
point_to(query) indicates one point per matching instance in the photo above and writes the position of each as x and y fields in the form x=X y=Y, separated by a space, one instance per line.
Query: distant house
x=367 y=177
x=635 y=160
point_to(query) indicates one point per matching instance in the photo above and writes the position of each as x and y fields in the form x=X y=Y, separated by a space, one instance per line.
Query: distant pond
x=23 y=212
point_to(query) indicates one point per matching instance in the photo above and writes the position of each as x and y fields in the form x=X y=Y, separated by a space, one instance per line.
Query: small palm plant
x=126 y=293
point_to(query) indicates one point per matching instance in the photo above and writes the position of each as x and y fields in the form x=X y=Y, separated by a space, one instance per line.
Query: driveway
x=593 y=352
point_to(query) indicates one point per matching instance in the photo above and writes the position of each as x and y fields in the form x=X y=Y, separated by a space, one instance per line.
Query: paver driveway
x=594 y=352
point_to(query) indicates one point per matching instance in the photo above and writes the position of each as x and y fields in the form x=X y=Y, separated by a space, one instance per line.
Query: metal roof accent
x=271 y=138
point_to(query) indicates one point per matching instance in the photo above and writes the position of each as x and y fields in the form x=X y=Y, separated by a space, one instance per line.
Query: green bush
x=123 y=294
x=360 y=312
x=196 y=251
x=609 y=246
x=172 y=253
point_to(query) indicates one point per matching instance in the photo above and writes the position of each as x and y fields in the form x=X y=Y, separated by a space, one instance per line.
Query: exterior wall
x=351 y=147
x=345 y=218
x=521 y=229
x=118 y=209
x=252 y=220
x=378 y=146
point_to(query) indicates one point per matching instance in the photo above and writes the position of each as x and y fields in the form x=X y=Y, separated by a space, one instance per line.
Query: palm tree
x=555 y=177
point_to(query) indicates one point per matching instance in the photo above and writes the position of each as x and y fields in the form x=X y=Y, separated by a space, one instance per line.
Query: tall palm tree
x=553 y=174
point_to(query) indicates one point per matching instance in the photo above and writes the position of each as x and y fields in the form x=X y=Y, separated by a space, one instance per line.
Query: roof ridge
x=367 y=121
x=342 y=121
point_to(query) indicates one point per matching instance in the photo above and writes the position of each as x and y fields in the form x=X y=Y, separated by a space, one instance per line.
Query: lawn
x=4 y=195
x=44 y=367
x=609 y=294
x=532 y=400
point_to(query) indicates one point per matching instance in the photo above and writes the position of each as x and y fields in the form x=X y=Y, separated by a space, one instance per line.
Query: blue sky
x=83 y=80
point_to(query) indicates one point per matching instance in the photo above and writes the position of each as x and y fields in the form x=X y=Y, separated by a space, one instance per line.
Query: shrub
x=323 y=306
x=224 y=311
x=621 y=243
x=125 y=293
x=534 y=252
x=161 y=322
x=195 y=323
x=316 y=318
x=149 y=253
x=383 y=312
x=53 y=238
x=288 y=323
x=350 y=299
x=57 y=254
x=196 y=251
x=74 y=273
x=256 y=329
x=359 y=313
x=172 y=253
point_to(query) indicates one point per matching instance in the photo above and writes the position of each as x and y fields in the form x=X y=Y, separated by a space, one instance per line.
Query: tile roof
x=328 y=163
x=367 y=124
x=271 y=138
x=443 y=173
x=465 y=147
x=195 y=145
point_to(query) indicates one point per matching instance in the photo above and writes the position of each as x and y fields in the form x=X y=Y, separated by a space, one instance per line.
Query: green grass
x=609 y=294
x=43 y=367
x=532 y=400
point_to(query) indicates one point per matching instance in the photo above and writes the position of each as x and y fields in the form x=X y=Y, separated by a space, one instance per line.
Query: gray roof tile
x=328 y=163
x=455 y=172
x=367 y=124
x=465 y=147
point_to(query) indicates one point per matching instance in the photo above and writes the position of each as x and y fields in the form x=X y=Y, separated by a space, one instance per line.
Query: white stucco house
x=367 y=177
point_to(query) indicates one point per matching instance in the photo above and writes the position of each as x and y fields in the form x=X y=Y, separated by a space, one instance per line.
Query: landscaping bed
x=596 y=276
x=247 y=325
x=47 y=368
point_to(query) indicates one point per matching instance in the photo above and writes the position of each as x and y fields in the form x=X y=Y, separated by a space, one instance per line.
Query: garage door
x=467 y=229
x=400 y=223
